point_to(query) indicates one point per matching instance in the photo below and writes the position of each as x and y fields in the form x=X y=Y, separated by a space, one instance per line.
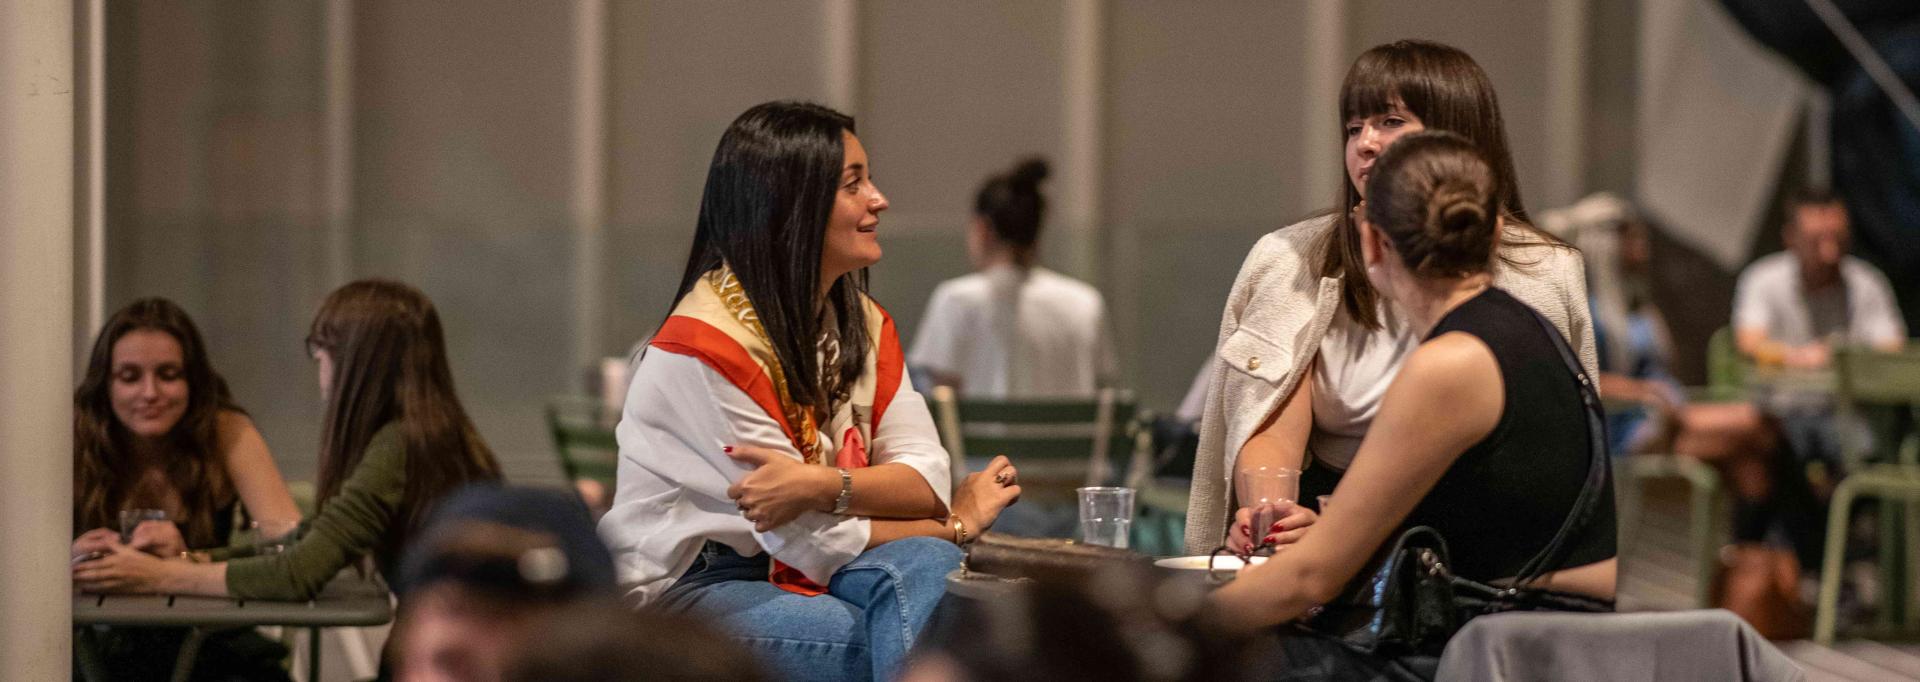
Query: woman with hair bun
x=1483 y=435
x=1013 y=329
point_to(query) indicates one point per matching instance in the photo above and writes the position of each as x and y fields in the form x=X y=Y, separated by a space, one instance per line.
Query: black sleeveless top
x=1504 y=499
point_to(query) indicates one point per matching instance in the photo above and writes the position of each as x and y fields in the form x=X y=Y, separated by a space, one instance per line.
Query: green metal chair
x=1869 y=380
x=583 y=438
x=1057 y=443
x=1708 y=509
x=1063 y=444
x=1160 y=516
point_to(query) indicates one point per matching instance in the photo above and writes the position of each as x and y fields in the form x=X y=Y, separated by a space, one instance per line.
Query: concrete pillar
x=36 y=317
x=1328 y=55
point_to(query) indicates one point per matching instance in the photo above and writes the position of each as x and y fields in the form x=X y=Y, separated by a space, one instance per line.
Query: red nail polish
x=727 y=449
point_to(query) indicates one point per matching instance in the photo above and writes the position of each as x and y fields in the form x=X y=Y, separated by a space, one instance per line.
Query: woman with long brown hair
x=1307 y=345
x=394 y=442
x=155 y=428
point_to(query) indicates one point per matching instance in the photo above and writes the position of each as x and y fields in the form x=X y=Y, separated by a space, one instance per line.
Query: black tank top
x=1504 y=499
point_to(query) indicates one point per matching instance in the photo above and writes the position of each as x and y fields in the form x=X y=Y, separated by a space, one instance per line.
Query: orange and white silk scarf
x=716 y=324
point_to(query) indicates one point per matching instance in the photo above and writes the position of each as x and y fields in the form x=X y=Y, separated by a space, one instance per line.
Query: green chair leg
x=1704 y=507
x=1892 y=541
x=1627 y=496
x=1826 y=612
x=1912 y=565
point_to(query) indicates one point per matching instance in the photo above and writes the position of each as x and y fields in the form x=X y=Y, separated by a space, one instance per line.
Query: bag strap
x=1589 y=500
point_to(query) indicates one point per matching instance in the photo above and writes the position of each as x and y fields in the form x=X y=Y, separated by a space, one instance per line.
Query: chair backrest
x=583 y=438
x=1086 y=432
x=1870 y=379
x=1726 y=368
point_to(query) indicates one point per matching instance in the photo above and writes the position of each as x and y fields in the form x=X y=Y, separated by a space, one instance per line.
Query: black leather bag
x=1407 y=601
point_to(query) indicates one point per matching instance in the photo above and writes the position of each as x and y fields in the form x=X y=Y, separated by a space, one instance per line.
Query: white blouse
x=1351 y=374
x=670 y=494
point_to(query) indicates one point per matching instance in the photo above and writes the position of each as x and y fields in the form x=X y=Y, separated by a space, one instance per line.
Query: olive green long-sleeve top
x=355 y=523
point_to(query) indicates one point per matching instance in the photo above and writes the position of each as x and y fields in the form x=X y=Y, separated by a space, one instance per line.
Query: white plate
x=1226 y=562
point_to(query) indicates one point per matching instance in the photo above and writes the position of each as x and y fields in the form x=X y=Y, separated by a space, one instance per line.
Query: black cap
x=518 y=542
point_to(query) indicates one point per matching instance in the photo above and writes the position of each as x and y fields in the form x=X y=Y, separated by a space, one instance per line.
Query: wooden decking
x=1657 y=574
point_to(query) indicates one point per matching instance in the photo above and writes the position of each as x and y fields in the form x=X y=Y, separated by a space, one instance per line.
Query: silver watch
x=845 y=499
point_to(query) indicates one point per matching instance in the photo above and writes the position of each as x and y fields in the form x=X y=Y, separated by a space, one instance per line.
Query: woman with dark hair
x=1307 y=345
x=155 y=428
x=1484 y=434
x=776 y=473
x=394 y=442
x=1013 y=329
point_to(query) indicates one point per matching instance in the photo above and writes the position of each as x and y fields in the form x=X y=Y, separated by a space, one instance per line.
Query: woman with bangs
x=1489 y=437
x=1308 y=346
x=395 y=441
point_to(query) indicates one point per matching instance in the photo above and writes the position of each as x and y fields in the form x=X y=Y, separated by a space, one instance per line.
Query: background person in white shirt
x=1792 y=308
x=777 y=475
x=1013 y=329
x=1789 y=308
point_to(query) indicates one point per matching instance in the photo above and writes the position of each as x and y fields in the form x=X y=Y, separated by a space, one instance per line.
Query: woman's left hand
x=780 y=488
x=122 y=569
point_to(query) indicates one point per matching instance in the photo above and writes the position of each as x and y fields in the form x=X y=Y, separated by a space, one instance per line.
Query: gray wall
x=547 y=211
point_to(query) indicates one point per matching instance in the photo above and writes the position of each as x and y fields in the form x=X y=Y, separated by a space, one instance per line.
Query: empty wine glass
x=130 y=520
x=1269 y=492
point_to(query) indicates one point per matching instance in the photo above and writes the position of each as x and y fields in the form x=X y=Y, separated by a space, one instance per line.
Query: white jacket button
x=1253 y=363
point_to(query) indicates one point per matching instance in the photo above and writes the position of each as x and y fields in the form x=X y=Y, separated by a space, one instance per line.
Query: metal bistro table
x=348 y=601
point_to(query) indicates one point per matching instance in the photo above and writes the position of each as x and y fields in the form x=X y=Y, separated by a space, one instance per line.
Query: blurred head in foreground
x=491 y=563
x=604 y=641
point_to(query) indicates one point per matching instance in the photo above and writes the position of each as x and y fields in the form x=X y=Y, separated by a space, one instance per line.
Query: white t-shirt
x=1011 y=332
x=670 y=495
x=1860 y=310
x=1351 y=374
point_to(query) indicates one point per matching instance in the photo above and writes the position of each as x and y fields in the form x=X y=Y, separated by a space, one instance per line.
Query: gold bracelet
x=959 y=531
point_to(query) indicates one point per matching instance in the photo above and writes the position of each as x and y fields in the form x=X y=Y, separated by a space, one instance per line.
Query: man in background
x=1791 y=308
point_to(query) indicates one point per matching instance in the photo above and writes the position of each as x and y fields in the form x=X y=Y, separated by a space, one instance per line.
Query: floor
x=1657 y=575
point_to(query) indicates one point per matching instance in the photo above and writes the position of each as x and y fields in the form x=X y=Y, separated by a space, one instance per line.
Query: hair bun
x=1029 y=172
x=1458 y=209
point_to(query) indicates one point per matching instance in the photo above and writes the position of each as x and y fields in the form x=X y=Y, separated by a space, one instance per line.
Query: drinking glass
x=271 y=537
x=131 y=519
x=1269 y=492
x=1106 y=516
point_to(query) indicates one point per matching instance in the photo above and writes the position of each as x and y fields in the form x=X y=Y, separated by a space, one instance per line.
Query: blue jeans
x=861 y=629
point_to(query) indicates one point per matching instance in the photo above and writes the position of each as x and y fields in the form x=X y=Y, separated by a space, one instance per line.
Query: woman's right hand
x=984 y=494
x=93 y=543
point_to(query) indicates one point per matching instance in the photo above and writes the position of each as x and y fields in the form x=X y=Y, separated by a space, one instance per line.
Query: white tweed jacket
x=1276 y=315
